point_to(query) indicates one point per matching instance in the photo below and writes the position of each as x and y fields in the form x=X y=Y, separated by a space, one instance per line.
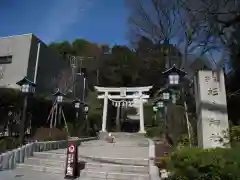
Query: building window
x=5 y=59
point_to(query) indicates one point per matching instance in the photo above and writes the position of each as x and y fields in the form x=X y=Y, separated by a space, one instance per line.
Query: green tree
x=64 y=48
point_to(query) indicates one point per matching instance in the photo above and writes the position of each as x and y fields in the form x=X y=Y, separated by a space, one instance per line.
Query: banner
x=71 y=169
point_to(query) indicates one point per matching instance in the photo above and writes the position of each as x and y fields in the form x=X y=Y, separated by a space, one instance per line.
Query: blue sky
x=100 y=21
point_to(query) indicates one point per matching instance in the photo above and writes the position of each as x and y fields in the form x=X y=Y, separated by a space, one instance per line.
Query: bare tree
x=153 y=19
x=173 y=20
x=64 y=81
x=221 y=18
x=219 y=15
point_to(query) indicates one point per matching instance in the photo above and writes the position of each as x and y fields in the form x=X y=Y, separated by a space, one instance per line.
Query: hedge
x=208 y=164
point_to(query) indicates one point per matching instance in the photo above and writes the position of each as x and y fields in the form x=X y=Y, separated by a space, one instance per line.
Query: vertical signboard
x=123 y=92
x=71 y=169
x=211 y=109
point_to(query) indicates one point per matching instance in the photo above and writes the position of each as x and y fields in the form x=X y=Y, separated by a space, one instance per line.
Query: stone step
x=128 y=135
x=124 y=161
x=86 y=173
x=118 y=144
x=110 y=160
x=25 y=174
x=114 y=175
x=89 y=165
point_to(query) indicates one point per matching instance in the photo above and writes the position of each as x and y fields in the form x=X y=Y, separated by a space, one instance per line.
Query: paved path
x=127 y=159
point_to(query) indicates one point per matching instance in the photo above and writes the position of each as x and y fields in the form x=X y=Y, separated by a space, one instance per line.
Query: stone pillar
x=141 y=116
x=211 y=109
x=105 y=108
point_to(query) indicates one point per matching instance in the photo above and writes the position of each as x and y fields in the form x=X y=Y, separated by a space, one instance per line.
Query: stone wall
x=153 y=169
x=8 y=160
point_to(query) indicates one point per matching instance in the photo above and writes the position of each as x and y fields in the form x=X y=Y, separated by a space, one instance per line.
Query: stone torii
x=124 y=93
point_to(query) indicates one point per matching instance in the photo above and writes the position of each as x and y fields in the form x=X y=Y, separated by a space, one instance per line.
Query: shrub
x=183 y=141
x=49 y=134
x=71 y=129
x=148 y=114
x=8 y=143
x=154 y=132
x=208 y=164
x=235 y=135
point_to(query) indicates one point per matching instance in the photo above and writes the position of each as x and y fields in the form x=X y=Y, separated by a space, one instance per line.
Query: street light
x=165 y=94
x=27 y=88
x=77 y=105
x=86 y=108
x=83 y=74
x=59 y=96
x=174 y=98
x=85 y=111
x=155 y=109
x=174 y=75
x=160 y=104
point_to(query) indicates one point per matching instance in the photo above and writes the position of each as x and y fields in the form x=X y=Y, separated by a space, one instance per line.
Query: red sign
x=71 y=169
x=71 y=148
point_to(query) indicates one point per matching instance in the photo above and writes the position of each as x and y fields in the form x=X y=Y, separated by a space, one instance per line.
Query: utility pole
x=76 y=63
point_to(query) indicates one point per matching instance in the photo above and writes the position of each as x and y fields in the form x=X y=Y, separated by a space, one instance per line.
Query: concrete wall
x=50 y=65
x=9 y=159
x=18 y=47
x=23 y=49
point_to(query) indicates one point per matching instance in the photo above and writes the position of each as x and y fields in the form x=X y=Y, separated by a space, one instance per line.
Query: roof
x=174 y=69
x=58 y=93
x=28 y=34
x=25 y=80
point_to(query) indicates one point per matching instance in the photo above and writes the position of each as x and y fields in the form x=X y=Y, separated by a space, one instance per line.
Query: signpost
x=71 y=169
x=211 y=109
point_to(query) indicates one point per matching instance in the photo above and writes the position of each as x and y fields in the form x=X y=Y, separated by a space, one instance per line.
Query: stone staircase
x=127 y=159
x=95 y=168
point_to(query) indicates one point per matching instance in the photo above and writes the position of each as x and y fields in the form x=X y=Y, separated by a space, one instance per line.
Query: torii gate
x=125 y=93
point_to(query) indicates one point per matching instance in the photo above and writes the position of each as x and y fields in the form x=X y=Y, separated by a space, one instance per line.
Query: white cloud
x=61 y=16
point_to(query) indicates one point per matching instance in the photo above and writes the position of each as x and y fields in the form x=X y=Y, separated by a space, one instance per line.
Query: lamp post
x=158 y=106
x=155 y=110
x=83 y=74
x=27 y=88
x=77 y=104
x=162 y=103
x=59 y=96
x=86 y=108
x=85 y=111
x=175 y=77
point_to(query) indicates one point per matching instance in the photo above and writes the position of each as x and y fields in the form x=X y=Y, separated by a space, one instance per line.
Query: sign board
x=71 y=169
x=71 y=148
x=211 y=109
x=123 y=92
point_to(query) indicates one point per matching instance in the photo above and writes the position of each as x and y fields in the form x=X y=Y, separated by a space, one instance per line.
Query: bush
x=154 y=132
x=49 y=134
x=71 y=129
x=148 y=114
x=235 y=135
x=208 y=164
x=95 y=109
x=182 y=142
x=8 y=143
